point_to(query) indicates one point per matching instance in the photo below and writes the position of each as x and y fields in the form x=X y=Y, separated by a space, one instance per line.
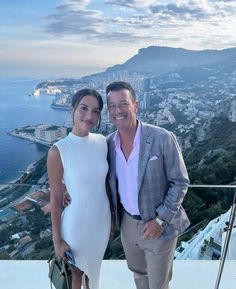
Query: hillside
x=212 y=161
x=159 y=60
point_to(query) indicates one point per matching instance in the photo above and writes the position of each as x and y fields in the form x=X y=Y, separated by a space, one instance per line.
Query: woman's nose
x=89 y=114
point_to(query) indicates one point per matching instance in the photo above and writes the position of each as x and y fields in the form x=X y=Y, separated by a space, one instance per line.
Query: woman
x=80 y=160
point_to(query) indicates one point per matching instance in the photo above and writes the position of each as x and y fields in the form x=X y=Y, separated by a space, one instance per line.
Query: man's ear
x=136 y=106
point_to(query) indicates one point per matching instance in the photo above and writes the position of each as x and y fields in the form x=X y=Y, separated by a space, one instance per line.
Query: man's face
x=122 y=109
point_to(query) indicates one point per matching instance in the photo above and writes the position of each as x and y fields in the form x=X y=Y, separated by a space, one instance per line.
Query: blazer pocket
x=153 y=158
x=155 y=165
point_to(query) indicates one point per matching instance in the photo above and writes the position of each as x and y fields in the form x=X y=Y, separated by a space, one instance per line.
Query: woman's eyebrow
x=88 y=106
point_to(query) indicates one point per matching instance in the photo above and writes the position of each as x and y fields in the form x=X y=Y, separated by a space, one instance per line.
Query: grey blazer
x=162 y=179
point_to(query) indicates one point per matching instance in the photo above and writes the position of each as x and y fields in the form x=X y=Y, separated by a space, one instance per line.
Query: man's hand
x=66 y=199
x=152 y=230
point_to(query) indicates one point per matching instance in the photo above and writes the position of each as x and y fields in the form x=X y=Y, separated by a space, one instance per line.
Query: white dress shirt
x=127 y=174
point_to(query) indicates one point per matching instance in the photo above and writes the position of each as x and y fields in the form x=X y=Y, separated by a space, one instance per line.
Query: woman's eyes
x=85 y=108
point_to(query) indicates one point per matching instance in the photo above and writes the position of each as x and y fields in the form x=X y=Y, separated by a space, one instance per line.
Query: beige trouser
x=150 y=261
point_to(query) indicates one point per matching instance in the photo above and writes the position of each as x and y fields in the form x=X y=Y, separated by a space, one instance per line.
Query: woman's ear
x=72 y=111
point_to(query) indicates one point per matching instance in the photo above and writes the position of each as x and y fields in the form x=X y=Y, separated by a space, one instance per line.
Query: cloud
x=123 y=3
x=76 y=4
x=196 y=10
x=72 y=17
x=135 y=4
x=183 y=10
x=144 y=20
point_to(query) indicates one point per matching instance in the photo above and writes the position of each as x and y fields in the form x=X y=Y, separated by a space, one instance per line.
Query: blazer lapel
x=112 y=169
x=146 y=140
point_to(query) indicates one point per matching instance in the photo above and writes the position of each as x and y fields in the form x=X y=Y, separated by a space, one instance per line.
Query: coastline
x=59 y=106
x=20 y=180
x=31 y=139
x=16 y=155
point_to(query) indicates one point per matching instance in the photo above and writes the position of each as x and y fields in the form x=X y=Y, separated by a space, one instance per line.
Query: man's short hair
x=119 y=85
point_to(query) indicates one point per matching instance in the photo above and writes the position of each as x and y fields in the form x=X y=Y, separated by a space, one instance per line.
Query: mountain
x=218 y=70
x=172 y=67
x=161 y=59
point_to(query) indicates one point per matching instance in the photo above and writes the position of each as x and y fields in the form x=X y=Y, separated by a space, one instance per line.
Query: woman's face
x=85 y=115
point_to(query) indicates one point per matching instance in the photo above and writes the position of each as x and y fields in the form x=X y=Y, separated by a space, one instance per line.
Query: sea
x=18 y=108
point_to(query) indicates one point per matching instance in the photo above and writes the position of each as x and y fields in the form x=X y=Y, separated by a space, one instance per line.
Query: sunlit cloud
x=148 y=19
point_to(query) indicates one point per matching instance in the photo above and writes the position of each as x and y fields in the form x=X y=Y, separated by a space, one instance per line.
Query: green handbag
x=60 y=274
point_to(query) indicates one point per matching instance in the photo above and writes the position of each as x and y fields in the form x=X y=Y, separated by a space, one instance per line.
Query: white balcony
x=188 y=274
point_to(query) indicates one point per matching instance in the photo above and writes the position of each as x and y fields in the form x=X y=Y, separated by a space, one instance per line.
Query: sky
x=71 y=38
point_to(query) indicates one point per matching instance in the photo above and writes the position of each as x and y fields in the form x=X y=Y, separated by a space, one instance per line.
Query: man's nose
x=117 y=108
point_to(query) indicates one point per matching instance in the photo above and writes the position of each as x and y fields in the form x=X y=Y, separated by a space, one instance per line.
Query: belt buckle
x=136 y=217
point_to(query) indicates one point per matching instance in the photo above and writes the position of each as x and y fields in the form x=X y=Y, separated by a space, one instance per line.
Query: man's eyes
x=121 y=104
x=124 y=103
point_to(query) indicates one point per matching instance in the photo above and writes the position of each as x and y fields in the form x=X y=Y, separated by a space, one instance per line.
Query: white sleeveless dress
x=85 y=223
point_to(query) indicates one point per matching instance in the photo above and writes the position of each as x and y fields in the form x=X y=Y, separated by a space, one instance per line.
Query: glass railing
x=25 y=226
x=25 y=219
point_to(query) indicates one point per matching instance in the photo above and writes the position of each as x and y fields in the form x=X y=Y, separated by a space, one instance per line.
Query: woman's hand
x=60 y=248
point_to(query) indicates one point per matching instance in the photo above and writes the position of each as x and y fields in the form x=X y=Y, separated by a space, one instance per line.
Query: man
x=148 y=181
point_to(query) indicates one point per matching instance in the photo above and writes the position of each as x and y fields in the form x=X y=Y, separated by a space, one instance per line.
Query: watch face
x=164 y=224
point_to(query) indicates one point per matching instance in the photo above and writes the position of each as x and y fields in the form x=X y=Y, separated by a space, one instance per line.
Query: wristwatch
x=160 y=222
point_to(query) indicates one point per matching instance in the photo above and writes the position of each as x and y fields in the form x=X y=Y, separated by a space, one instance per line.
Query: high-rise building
x=146 y=84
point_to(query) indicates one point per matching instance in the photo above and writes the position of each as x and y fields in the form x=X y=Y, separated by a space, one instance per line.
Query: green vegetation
x=114 y=249
x=207 y=166
x=28 y=130
x=42 y=249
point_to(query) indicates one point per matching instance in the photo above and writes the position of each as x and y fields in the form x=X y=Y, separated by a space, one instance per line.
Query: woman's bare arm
x=55 y=175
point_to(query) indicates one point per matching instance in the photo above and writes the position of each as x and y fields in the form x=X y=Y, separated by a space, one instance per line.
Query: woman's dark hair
x=82 y=93
x=119 y=85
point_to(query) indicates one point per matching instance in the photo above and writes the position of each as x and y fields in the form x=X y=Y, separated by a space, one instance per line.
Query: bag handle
x=50 y=267
x=65 y=271
x=51 y=262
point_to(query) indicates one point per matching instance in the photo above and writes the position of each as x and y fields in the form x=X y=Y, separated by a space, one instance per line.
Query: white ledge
x=192 y=274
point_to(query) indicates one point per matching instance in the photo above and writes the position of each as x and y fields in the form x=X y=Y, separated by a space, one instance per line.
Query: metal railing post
x=226 y=243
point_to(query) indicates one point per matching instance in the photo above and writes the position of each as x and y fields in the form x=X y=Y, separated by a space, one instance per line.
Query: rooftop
x=188 y=274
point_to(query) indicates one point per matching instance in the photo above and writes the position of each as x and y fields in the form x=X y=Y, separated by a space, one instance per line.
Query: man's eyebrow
x=119 y=101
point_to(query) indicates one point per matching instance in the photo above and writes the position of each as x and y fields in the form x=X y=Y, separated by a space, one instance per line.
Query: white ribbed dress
x=85 y=223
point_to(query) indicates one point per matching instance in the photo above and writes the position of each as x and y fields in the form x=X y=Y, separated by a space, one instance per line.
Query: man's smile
x=119 y=117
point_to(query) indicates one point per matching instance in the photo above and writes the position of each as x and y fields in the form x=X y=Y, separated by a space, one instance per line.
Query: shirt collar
x=116 y=137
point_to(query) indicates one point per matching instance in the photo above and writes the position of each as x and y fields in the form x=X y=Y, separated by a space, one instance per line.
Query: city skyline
x=71 y=38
